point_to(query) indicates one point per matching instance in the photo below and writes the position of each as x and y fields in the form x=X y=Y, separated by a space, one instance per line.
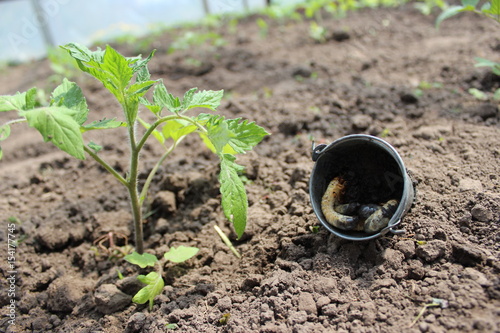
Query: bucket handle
x=317 y=150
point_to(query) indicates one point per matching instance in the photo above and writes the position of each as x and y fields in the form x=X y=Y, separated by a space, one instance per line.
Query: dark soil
x=290 y=278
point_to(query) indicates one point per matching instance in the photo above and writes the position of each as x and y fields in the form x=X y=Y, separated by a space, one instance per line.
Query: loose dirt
x=293 y=277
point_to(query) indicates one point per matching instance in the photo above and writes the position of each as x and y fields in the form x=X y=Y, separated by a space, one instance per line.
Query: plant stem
x=226 y=240
x=133 y=192
x=106 y=166
x=16 y=121
x=145 y=188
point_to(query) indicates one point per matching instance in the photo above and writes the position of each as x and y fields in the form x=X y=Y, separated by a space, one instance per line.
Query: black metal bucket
x=373 y=172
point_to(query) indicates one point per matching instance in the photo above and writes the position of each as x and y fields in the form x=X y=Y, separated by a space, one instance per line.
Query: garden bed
x=392 y=75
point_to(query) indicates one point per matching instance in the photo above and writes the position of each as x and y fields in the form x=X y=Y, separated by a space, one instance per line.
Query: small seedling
x=435 y=302
x=317 y=32
x=154 y=280
x=63 y=121
x=314 y=229
x=171 y=326
x=224 y=319
x=490 y=9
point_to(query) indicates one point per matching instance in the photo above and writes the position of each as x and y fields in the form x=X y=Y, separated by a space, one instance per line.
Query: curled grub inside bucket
x=357 y=186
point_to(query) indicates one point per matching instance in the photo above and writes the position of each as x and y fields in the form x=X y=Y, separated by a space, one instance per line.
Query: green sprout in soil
x=435 y=303
x=63 y=121
x=154 y=280
x=489 y=9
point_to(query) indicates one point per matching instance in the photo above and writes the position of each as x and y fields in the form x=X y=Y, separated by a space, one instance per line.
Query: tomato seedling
x=63 y=121
x=154 y=281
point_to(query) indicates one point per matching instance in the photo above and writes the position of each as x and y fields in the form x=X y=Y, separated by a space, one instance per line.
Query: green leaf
x=69 y=95
x=165 y=99
x=154 y=287
x=58 y=125
x=234 y=198
x=496 y=95
x=482 y=62
x=447 y=13
x=143 y=74
x=156 y=109
x=247 y=135
x=94 y=146
x=31 y=99
x=138 y=64
x=218 y=133
x=171 y=326
x=470 y=3
x=177 y=129
x=232 y=136
x=142 y=260
x=204 y=99
x=82 y=54
x=4 y=132
x=181 y=254
x=1 y=153
x=493 y=9
x=103 y=124
x=481 y=95
x=20 y=101
x=140 y=88
x=14 y=102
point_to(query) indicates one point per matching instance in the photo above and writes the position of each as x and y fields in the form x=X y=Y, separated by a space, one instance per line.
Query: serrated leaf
x=31 y=99
x=188 y=97
x=103 y=124
x=234 y=197
x=204 y=99
x=68 y=94
x=82 y=53
x=142 y=260
x=143 y=74
x=218 y=133
x=247 y=135
x=232 y=136
x=163 y=98
x=177 y=129
x=140 y=64
x=154 y=287
x=140 y=88
x=14 y=102
x=181 y=254
x=4 y=132
x=58 y=125
x=156 y=109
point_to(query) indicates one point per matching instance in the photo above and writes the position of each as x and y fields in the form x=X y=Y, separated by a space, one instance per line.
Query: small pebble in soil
x=109 y=299
x=466 y=254
x=136 y=322
x=431 y=251
x=481 y=213
x=361 y=121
